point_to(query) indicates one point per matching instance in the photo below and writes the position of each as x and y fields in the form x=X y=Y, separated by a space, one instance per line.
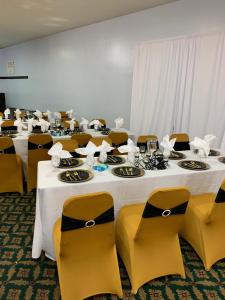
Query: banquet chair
x=98 y=140
x=85 y=250
x=81 y=138
x=38 y=146
x=103 y=121
x=1 y=114
x=69 y=145
x=8 y=125
x=147 y=236
x=204 y=226
x=143 y=139
x=118 y=139
x=63 y=115
x=182 y=141
x=10 y=167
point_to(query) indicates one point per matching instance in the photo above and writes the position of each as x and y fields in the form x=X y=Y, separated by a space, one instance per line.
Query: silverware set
x=73 y=176
x=126 y=171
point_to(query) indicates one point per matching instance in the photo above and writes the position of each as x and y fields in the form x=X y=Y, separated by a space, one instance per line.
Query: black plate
x=114 y=160
x=128 y=172
x=75 y=176
x=214 y=152
x=8 y=135
x=174 y=155
x=70 y=163
x=222 y=159
x=193 y=165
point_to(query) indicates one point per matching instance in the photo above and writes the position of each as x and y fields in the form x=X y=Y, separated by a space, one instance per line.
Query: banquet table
x=21 y=141
x=52 y=193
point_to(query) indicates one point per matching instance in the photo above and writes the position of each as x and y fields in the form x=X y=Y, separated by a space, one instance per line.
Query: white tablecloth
x=223 y=143
x=51 y=193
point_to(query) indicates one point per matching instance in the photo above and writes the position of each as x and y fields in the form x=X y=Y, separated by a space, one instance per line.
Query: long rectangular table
x=21 y=141
x=52 y=193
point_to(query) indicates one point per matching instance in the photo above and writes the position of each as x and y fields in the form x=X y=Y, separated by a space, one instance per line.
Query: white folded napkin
x=119 y=122
x=19 y=125
x=72 y=123
x=30 y=123
x=130 y=148
x=70 y=113
x=57 y=115
x=1 y=121
x=201 y=145
x=18 y=113
x=96 y=123
x=209 y=138
x=104 y=148
x=6 y=113
x=48 y=114
x=44 y=125
x=57 y=152
x=89 y=151
x=84 y=123
x=38 y=114
x=167 y=145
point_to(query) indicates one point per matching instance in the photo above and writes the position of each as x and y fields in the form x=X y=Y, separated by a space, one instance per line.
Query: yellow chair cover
x=43 y=143
x=8 y=123
x=68 y=145
x=182 y=141
x=63 y=115
x=103 y=121
x=98 y=140
x=82 y=139
x=149 y=246
x=144 y=138
x=86 y=256
x=11 y=172
x=204 y=226
x=67 y=125
x=118 y=139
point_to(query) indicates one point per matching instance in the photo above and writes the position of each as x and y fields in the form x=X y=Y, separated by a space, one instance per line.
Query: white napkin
x=44 y=125
x=19 y=125
x=89 y=151
x=30 y=123
x=38 y=114
x=96 y=123
x=57 y=115
x=130 y=148
x=18 y=113
x=167 y=145
x=7 y=113
x=84 y=123
x=1 y=121
x=48 y=114
x=72 y=123
x=57 y=150
x=119 y=122
x=201 y=145
x=70 y=113
x=209 y=138
x=104 y=148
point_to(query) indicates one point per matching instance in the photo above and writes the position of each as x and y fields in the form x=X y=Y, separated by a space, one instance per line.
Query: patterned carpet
x=24 y=278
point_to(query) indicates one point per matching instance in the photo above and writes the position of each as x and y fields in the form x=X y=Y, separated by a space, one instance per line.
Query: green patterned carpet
x=24 y=278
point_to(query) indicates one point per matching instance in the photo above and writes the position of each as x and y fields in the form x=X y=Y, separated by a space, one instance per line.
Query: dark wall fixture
x=13 y=77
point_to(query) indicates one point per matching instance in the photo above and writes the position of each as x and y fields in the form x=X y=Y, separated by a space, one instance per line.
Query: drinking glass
x=151 y=146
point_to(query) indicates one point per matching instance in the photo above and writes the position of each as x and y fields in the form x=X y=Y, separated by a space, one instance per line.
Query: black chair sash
x=181 y=146
x=152 y=211
x=71 y=224
x=33 y=146
x=220 y=197
x=10 y=150
x=100 y=127
x=7 y=128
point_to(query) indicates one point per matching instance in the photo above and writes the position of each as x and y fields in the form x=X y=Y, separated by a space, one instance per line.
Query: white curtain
x=179 y=86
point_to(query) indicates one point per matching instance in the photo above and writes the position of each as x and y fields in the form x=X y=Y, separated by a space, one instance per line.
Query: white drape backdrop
x=179 y=86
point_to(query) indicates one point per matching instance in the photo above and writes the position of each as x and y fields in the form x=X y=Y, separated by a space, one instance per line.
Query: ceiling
x=23 y=20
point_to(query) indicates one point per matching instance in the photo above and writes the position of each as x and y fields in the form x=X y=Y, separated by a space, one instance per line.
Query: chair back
x=98 y=140
x=7 y=154
x=67 y=125
x=81 y=138
x=218 y=210
x=63 y=115
x=38 y=146
x=164 y=213
x=8 y=125
x=69 y=145
x=143 y=139
x=1 y=114
x=182 y=141
x=118 y=138
x=85 y=220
